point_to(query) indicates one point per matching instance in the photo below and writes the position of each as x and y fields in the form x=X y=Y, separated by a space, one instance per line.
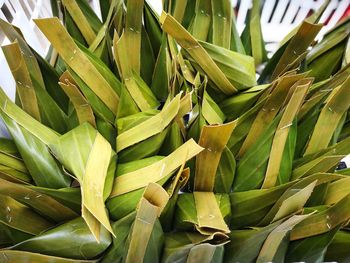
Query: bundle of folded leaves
x=171 y=138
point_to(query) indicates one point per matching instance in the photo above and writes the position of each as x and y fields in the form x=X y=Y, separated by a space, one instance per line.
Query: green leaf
x=78 y=61
x=225 y=173
x=312 y=249
x=197 y=52
x=222 y=23
x=324 y=221
x=246 y=244
x=39 y=201
x=21 y=217
x=42 y=167
x=251 y=206
x=85 y=153
x=71 y=240
x=252 y=166
x=201 y=21
x=276 y=244
x=162 y=71
x=338 y=249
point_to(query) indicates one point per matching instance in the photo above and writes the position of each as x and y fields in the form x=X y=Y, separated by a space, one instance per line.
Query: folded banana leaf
x=21 y=217
x=323 y=221
x=277 y=242
x=156 y=171
x=246 y=244
x=311 y=249
x=213 y=139
x=38 y=201
x=94 y=171
x=197 y=52
x=149 y=127
x=72 y=239
x=192 y=247
x=133 y=177
x=79 y=62
x=139 y=234
x=203 y=211
x=238 y=104
x=248 y=213
x=296 y=46
x=173 y=188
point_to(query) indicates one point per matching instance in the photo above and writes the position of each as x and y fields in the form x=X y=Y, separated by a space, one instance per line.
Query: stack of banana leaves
x=171 y=138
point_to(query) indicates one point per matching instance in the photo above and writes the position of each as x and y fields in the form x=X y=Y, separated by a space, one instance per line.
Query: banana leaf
x=338 y=249
x=173 y=188
x=12 y=175
x=156 y=171
x=39 y=202
x=192 y=247
x=23 y=256
x=94 y=171
x=274 y=102
x=149 y=127
x=69 y=197
x=51 y=79
x=143 y=149
x=222 y=23
x=41 y=165
x=324 y=221
x=246 y=244
x=139 y=247
x=211 y=111
x=32 y=93
x=252 y=35
x=139 y=240
x=72 y=239
x=252 y=166
x=173 y=139
x=80 y=20
x=282 y=131
x=238 y=104
x=213 y=139
x=188 y=213
x=10 y=236
x=21 y=217
x=292 y=201
x=82 y=108
x=197 y=52
x=14 y=34
x=331 y=114
x=225 y=172
x=243 y=126
x=24 y=86
x=337 y=190
x=17 y=115
x=152 y=26
x=277 y=242
x=312 y=249
x=78 y=61
x=290 y=51
x=200 y=26
x=238 y=68
x=288 y=155
x=162 y=71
